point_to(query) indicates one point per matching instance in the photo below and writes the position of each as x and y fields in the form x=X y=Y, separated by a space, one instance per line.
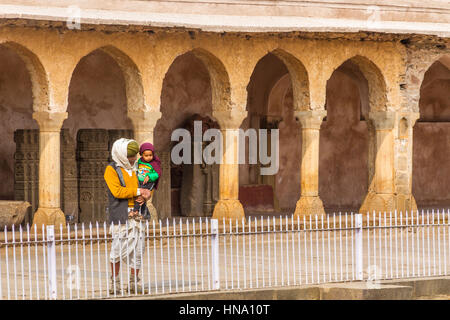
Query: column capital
x=229 y=119
x=382 y=120
x=311 y=119
x=50 y=121
x=270 y=122
x=411 y=117
x=144 y=120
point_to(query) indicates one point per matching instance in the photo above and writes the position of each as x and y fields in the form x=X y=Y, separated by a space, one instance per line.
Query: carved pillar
x=69 y=177
x=26 y=170
x=49 y=211
x=310 y=202
x=92 y=154
x=380 y=197
x=144 y=123
x=404 y=161
x=229 y=206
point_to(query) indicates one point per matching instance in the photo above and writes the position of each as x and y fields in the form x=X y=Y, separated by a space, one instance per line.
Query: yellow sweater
x=113 y=182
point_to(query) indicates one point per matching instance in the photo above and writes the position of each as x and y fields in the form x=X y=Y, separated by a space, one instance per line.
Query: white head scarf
x=119 y=153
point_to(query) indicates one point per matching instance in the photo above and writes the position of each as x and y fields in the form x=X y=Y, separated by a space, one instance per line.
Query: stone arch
x=431 y=136
x=38 y=75
x=299 y=79
x=277 y=95
x=194 y=85
x=278 y=86
x=444 y=59
x=220 y=81
x=23 y=90
x=132 y=75
x=103 y=86
x=376 y=82
x=344 y=140
x=437 y=75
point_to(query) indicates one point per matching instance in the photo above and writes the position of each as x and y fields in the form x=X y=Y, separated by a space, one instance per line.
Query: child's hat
x=146 y=146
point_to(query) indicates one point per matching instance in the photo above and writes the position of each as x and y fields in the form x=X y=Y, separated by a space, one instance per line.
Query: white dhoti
x=128 y=243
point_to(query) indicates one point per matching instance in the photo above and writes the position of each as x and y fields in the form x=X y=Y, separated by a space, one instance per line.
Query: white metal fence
x=205 y=254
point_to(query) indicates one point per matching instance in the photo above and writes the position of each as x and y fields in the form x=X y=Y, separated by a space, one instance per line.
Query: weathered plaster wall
x=343 y=172
x=431 y=167
x=431 y=149
x=15 y=113
x=288 y=177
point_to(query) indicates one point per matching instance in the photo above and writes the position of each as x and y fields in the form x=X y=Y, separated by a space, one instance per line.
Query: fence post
x=51 y=261
x=215 y=253
x=358 y=247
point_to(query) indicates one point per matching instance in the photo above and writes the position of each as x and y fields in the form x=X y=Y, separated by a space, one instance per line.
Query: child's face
x=147 y=156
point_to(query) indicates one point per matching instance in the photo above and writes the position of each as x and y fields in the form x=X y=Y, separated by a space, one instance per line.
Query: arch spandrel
x=442 y=58
x=416 y=74
x=445 y=60
x=432 y=103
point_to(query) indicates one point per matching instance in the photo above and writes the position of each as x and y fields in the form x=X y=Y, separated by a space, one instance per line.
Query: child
x=148 y=172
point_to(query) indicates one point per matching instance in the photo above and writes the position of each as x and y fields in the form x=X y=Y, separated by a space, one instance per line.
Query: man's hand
x=145 y=193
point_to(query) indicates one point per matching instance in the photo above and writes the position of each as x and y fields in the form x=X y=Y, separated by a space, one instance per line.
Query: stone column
x=229 y=206
x=310 y=202
x=380 y=197
x=403 y=153
x=49 y=211
x=144 y=123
